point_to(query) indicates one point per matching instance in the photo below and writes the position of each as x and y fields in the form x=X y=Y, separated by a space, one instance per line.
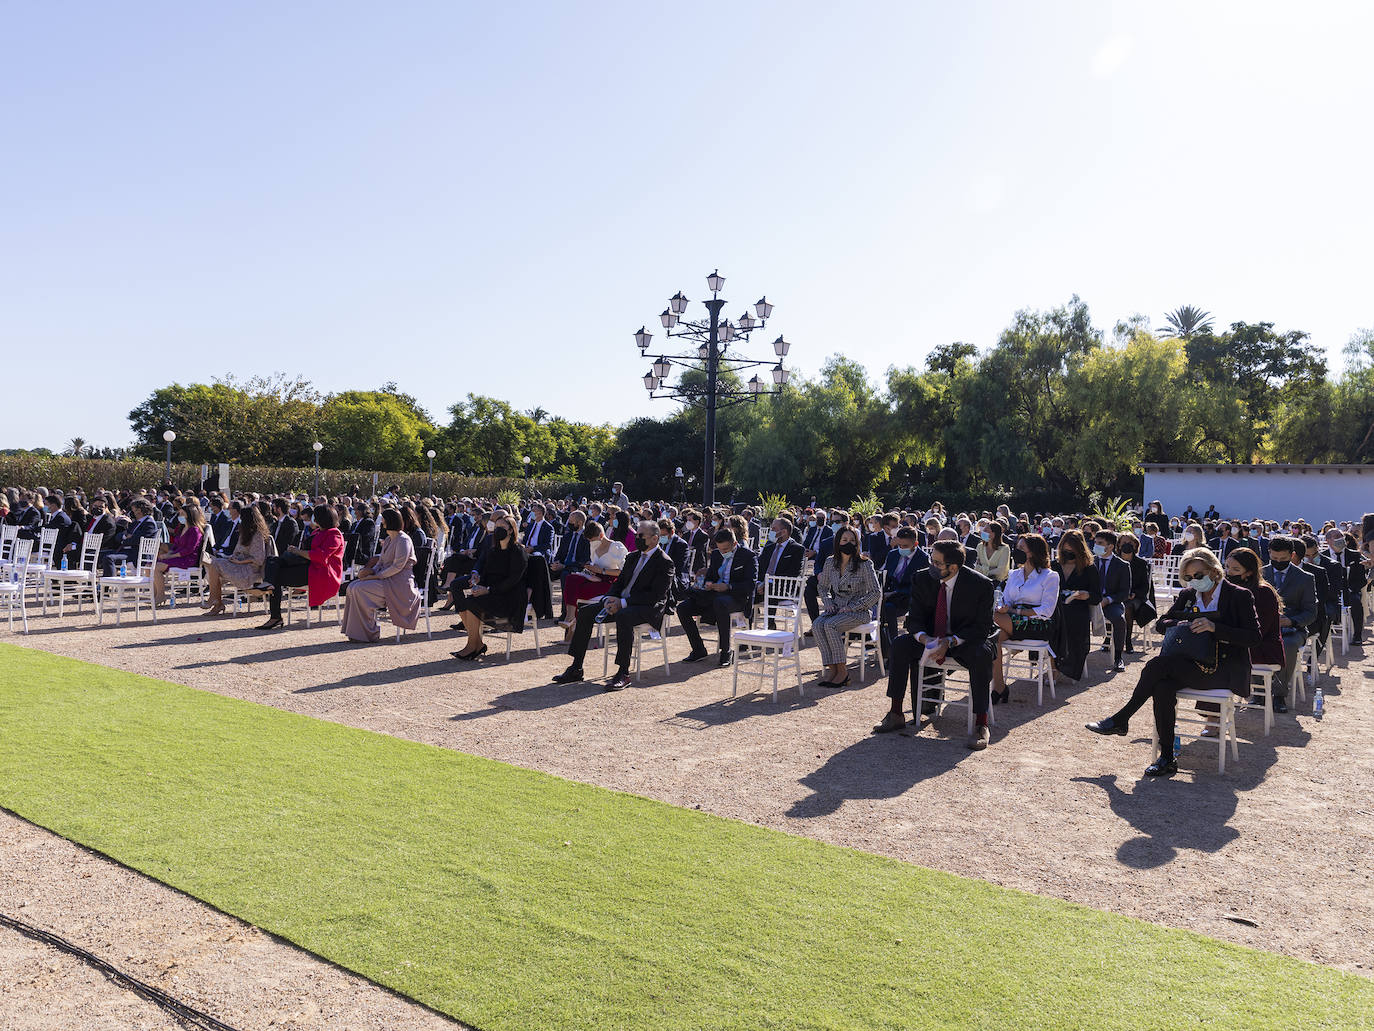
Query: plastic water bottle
x=1178 y=744
x=64 y=563
x=1318 y=703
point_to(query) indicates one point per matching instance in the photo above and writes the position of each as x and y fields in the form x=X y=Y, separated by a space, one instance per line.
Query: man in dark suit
x=362 y=537
x=1298 y=590
x=1307 y=558
x=698 y=542
x=1235 y=626
x=285 y=530
x=125 y=545
x=782 y=555
x=221 y=522
x=100 y=522
x=905 y=562
x=1353 y=577
x=1223 y=542
x=539 y=533
x=1140 y=606
x=26 y=517
x=673 y=545
x=950 y=618
x=640 y=596
x=1115 y=576
x=726 y=588
x=56 y=519
x=574 y=552
x=1334 y=575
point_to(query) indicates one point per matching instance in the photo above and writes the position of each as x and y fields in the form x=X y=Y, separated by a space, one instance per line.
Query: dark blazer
x=970 y=614
x=1142 y=582
x=1269 y=651
x=895 y=586
x=877 y=545
x=744 y=570
x=574 y=553
x=1223 y=546
x=1238 y=630
x=221 y=525
x=654 y=584
x=1115 y=578
x=1298 y=591
x=1323 y=583
x=1335 y=578
x=813 y=535
x=104 y=526
x=540 y=537
x=128 y=540
x=789 y=561
x=363 y=541
x=698 y=543
x=824 y=550
x=29 y=521
x=1354 y=576
x=677 y=550
x=285 y=533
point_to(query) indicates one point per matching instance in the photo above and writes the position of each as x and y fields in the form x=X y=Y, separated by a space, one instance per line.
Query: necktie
x=777 y=554
x=901 y=568
x=572 y=548
x=639 y=568
x=942 y=613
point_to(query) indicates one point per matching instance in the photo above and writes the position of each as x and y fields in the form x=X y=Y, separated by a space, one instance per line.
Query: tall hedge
x=137 y=474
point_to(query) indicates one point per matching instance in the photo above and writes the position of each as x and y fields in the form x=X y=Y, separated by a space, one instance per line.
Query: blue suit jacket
x=902 y=585
x=540 y=537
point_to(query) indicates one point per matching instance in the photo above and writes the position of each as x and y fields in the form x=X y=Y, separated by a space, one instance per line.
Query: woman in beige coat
x=390 y=582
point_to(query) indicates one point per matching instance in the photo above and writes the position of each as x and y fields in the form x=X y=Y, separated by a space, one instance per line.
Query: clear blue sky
x=493 y=197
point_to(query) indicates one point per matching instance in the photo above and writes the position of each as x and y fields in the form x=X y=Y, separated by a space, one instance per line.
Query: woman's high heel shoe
x=471 y=656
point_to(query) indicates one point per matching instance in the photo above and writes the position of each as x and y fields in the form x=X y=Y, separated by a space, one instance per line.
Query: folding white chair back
x=938 y=680
x=80 y=581
x=9 y=533
x=531 y=620
x=1262 y=683
x=1226 y=729
x=140 y=585
x=868 y=634
x=15 y=579
x=644 y=634
x=42 y=558
x=1033 y=660
x=778 y=640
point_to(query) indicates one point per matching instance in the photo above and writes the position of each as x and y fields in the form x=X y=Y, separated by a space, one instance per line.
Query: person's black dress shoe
x=727 y=657
x=1105 y=647
x=1120 y=666
x=890 y=722
x=619 y=682
x=1001 y=697
x=471 y=656
x=1129 y=649
x=1107 y=727
x=836 y=683
x=1162 y=767
x=571 y=675
x=1280 y=705
x=271 y=624
x=696 y=655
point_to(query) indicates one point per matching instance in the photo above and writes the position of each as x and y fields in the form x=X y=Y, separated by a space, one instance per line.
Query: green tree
x=373 y=429
x=1186 y=322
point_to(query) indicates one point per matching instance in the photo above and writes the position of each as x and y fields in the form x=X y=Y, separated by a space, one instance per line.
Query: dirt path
x=1283 y=837
x=219 y=965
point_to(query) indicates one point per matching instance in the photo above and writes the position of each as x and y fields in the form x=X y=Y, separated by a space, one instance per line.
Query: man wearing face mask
x=56 y=519
x=1353 y=576
x=781 y=556
x=362 y=536
x=1207 y=604
x=726 y=587
x=26 y=517
x=1116 y=588
x=639 y=596
x=126 y=545
x=1298 y=590
x=950 y=618
x=905 y=562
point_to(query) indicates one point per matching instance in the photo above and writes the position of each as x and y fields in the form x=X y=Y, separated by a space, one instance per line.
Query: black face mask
x=1237 y=580
x=500 y=534
x=849 y=548
x=1021 y=558
x=643 y=543
x=1280 y=566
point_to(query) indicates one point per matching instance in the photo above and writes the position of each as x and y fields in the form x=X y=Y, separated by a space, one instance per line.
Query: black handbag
x=1200 y=648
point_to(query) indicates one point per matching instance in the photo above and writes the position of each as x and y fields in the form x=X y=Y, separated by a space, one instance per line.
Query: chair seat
x=1210 y=692
x=871 y=627
x=1030 y=646
x=1264 y=667
x=68 y=574
x=765 y=636
x=126 y=581
x=10 y=588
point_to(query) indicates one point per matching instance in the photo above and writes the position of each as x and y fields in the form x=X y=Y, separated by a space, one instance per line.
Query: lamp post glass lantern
x=710 y=339
x=169 y=436
x=430 y=489
x=318 y=448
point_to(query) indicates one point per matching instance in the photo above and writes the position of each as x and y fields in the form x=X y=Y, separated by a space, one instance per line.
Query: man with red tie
x=951 y=620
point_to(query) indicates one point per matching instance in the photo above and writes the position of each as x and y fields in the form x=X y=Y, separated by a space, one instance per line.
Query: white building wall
x=1314 y=493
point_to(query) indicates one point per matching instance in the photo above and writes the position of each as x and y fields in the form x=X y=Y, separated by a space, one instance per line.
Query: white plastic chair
x=13 y=586
x=1226 y=729
x=292 y=593
x=782 y=606
x=868 y=635
x=80 y=581
x=430 y=569
x=9 y=533
x=140 y=584
x=940 y=690
x=644 y=635
x=1262 y=683
x=1034 y=657
x=40 y=557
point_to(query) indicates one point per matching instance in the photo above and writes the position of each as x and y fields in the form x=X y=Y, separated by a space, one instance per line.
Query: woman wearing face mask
x=390 y=582
x=847 y=588
x=1028 y=604
x=1208 y=604
x=499 y=597
x=183 y=551
x=1080 y=589
x=596 y=577
x=993 y=557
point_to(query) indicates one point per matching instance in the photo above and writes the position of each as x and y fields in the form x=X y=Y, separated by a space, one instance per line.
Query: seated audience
x=183 y=551
x=726 y=587
x=243 y=568
x=124 y=547
x=316 y=564
x=604 y=564
x=1028 y=604
x=847 y=588
x=499 y=594
x=1080 y=589
x=388 y=583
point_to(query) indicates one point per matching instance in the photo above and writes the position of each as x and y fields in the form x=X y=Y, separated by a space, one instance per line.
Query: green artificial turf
x=515 y=900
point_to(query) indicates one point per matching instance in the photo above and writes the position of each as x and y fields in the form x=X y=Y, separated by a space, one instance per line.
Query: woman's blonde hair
x=1207 y=558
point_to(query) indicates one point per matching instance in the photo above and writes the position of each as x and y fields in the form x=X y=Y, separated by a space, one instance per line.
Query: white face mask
x=491 y=525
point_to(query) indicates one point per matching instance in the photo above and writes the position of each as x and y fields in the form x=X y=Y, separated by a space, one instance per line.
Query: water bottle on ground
x=1178 y=744
x=1318 y=703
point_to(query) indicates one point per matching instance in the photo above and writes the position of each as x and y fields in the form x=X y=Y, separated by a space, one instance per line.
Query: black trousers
x=904 y=666
x=625 y=621
x=812 y=594
x=894 y=611
x=1161 y=679
x=707 y=603
x=284 y=571
x=1356 y=617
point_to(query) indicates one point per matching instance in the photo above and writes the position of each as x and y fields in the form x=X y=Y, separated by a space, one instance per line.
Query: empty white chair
x=9 y=533
x=79 y=581
x=1226 y=729
x=14 y=579
x=40 y=557
x=1033 y=659
x=140 y=585
x=775 y=644
x=936 y=680
x=1262 y=683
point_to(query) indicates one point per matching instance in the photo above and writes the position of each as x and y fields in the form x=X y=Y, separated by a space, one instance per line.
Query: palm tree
x=1186 y=322
x=77 y=448
x=538 y=415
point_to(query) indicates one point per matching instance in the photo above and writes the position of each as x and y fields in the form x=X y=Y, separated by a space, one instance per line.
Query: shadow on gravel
x=879 y=767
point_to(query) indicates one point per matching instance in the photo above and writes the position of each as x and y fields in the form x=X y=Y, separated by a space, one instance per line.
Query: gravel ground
x=219 y=965
x=1283 y=838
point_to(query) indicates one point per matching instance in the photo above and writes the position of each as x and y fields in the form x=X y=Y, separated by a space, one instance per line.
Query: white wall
x=1269 y=492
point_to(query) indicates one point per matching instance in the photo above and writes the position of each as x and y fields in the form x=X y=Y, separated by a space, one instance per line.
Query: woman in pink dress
x=390 y=582
x=184 y=550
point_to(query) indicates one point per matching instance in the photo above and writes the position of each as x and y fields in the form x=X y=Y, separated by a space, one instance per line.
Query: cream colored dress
x=392 y=584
